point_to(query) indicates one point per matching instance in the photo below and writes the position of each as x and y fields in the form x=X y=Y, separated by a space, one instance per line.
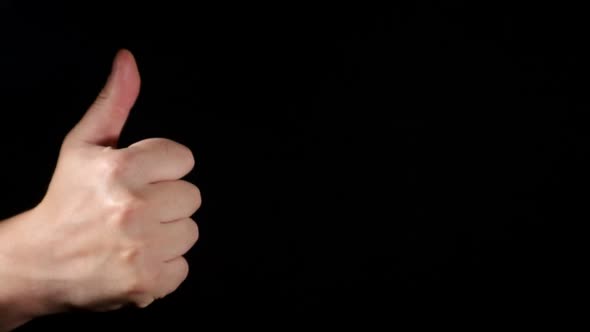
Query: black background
x=353 y=159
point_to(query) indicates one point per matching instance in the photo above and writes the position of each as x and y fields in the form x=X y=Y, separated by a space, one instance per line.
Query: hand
x=114 y=224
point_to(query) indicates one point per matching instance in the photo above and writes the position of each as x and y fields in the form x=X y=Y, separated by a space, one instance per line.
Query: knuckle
x=193 y=231
x=138 y=285
x=194 y=195
x=117 y=165
x=144 y=303
x=190 y=158
x=127 y=209
x=180 y=151
x=166 y=144
x=172 y=149
x=183 y=270
x=184 y=153
x=131 y=255
x=134 y=285
x=179 y=275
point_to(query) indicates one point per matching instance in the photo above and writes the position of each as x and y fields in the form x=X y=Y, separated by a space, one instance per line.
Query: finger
x=175 y=239
x=173 y=274
x=170 y=200
x=160 y=159
x=103 y=122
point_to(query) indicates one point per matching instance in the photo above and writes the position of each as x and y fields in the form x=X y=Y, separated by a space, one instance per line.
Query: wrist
x=23 y=295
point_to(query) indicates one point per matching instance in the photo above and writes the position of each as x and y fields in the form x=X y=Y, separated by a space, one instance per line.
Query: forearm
x=14 y=310
x=20 y=298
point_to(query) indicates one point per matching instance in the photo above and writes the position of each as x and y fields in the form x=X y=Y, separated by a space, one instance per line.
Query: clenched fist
x=115 y=223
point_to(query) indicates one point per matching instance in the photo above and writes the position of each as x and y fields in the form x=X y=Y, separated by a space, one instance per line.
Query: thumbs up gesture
x=115 y=223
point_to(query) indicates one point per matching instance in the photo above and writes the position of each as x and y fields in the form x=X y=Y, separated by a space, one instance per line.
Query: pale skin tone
x=114 y=224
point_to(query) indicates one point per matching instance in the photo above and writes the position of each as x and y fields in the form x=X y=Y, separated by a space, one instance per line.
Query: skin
x=114 y=224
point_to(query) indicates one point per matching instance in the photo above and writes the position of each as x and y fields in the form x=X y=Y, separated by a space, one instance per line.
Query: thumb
x=103 y=122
